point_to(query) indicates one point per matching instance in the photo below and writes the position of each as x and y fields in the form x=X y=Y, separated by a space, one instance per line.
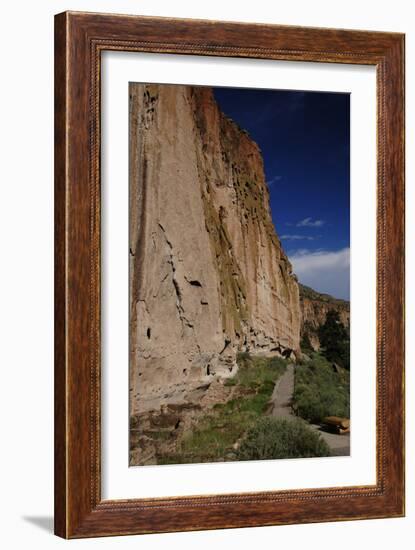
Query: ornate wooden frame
x=79 y=40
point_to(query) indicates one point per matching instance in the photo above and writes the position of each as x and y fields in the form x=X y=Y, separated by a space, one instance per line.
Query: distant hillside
x=308 y=292
x=314 y=307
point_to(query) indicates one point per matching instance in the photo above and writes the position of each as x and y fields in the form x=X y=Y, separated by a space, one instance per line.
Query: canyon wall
x=314 y=308
x=208 y=275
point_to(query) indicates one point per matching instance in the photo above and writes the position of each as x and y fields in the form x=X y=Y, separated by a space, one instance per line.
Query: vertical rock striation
x=208 y=275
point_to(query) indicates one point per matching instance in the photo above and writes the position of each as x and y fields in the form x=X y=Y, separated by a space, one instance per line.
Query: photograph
x=239 y=274
x=206 y=275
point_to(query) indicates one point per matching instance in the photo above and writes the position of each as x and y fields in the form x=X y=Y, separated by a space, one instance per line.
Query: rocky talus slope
x=314 y=308
x=208 y=275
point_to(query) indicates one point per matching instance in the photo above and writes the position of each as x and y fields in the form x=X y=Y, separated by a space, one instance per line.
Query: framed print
x=229 y=275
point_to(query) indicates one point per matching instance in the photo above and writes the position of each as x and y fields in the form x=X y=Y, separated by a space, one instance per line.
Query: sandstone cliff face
x=208 y=276
x=314 y=308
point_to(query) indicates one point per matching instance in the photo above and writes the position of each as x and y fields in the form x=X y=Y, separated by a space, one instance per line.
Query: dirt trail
x=281 y=400
x=283 y=393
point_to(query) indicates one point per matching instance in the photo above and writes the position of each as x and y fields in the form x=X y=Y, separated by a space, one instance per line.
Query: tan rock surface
x=208 y=275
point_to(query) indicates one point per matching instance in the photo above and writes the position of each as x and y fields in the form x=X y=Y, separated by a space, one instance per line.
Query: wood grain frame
x=79 y=40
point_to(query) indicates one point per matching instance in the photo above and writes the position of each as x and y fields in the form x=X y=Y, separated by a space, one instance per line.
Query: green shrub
x=305 y=344
x=320 y=391
x=281 y=438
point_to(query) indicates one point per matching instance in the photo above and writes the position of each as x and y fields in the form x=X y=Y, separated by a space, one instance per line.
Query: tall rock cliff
x=314 y=308
x=208 y=275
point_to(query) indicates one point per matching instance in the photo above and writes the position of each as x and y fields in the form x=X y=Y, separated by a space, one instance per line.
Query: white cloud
x=273 y=180
x=324 y=271
x=297 y=238
x=308 y=222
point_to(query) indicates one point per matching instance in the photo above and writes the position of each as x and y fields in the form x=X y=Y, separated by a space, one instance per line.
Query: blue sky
x=305 y=141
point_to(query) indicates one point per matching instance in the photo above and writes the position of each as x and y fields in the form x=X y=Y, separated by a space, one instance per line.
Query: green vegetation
x=282 y=438
x=335 y=340
x=254 y=371
x=214 y=436
x=241 y=428
x=321 y=390
x=305 y=344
